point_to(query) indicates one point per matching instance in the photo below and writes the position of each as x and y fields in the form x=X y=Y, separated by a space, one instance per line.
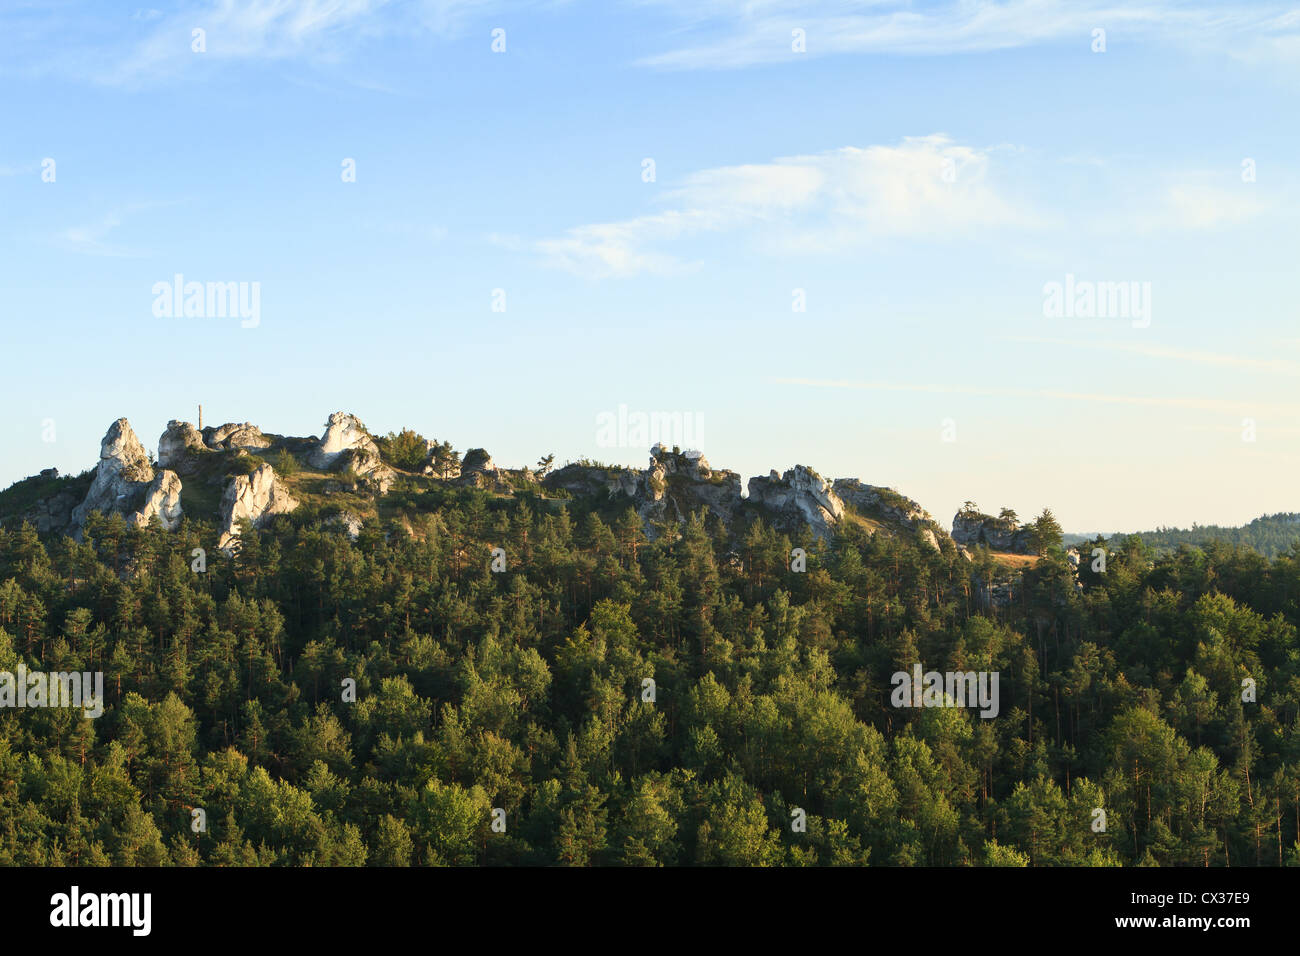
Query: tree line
x=1163 y=691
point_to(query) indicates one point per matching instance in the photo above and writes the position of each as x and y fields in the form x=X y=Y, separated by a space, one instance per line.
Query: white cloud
x=1189 y=200
x=615 y=249
x=924 y=187
x=1201 y=206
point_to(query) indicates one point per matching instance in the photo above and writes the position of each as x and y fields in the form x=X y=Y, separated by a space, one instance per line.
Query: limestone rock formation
x=346 y=444
x=343 y=432
x=234 y=435
x=477 y=459
x=799 y=494
x=583 y=481
x=973 y=528
x=163 y=499
x=890 y=508
x=121 y=477
x=690 y=464
x=477 y=470
x=679 y=483
x=347 y=521
x=52 y=514
x=179 y=446
x=256 y=497
x=674 y=485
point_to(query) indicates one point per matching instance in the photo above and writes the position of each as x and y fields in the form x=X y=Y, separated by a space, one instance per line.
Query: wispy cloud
x=924 y=187
x=727 y=34
x=1268 y=430
x=1141 y=200
x=1099 y=398
x=246 y=29
x=1202 y=206
x=1280 y=366
x=90 y=42
x=92 y=239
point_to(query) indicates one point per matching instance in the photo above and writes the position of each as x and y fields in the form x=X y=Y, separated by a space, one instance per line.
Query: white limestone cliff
x=178 y=447
x=235 y=435
x=346 y=444
x=800 y=493
x=124 y=482
x=162 y=499
x=255 y=497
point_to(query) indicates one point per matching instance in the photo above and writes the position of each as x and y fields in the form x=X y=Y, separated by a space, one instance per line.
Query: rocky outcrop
x=368 y=468
x=674 y=485
x=477 y=470
x=799 y=495
x=584 y=481
x=162 y=499
x=52 y=513
x=347 y=445
x=343 y=432
x=234 y=435
x=179 y=447
x=690 y=465
x=889 y=508
x=679 y=483
x=477 y=459
x=347 y=522
x=256 y=497
x=972 y=529
x=124 y=482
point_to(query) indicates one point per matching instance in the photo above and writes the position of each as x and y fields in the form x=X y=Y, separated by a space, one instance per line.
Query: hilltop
x=236 y=475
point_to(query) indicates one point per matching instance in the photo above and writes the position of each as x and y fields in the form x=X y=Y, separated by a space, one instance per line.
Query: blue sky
x=921 y=171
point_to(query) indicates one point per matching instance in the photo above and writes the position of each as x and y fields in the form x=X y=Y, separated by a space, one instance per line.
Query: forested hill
x=416 y=671
x=1270 y=535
